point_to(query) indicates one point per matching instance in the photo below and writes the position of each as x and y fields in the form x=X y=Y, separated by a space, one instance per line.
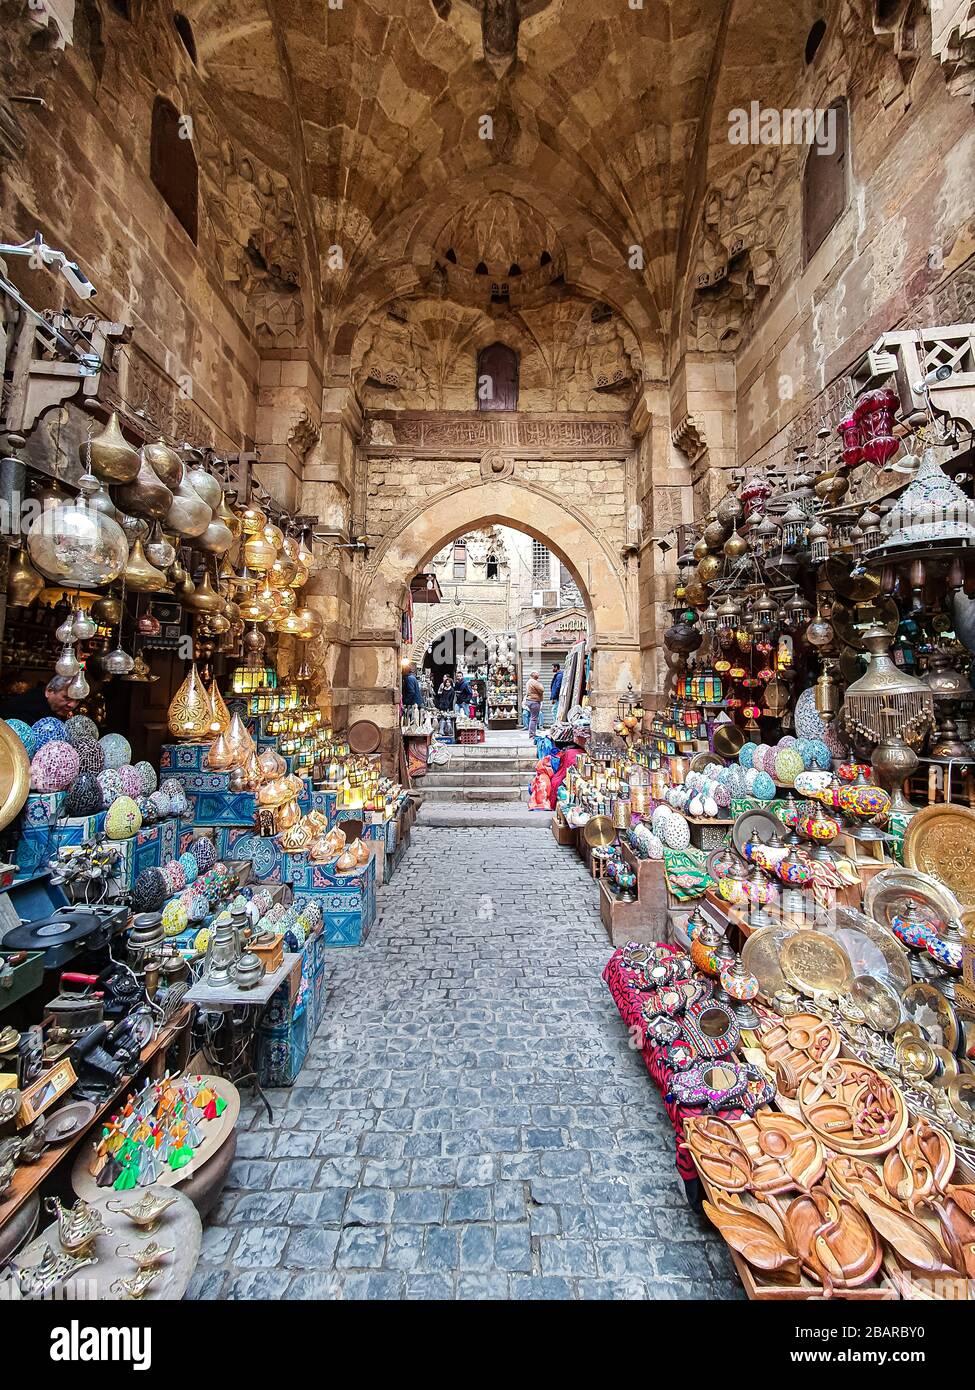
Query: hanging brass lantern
x=252 y=519
x=139 y=575
x=229 y=518
x=107 y=611
x=23 y=582
x=189 y=515
x=282 y=572
x=259 y=554
x=709 y=569
x=311 y=623
x=113 y=458
x=190 y=711
x=217 y=538
x=164 y=462
x=204 y=598
x=145 y=495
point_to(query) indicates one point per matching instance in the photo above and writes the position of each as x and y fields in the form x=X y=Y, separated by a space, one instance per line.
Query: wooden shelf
x=28 y=1178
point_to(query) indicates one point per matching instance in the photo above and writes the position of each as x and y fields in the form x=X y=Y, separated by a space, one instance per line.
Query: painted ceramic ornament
x=805 y=747
x=84 y=796
x=176 y=793
x=26 y=735
x=111 y=784
x=161 y=802
x=131 y=781
x=948 y=954
x=150 y=891
x=122 y=820
x=198 y=908
x=90 y=756
x=864 y=802
x=677 y=833
x=661 y=814
x=49 y=730
x=190 y=867
x=736 y=781
x=746 y=755
x=54 y=767
x=117 y=750
x=788 y=741
x=732 y=890
x=788 y=766
x=758 y=757
x=175 y=918
x=147 y=810
x=812 y=783
x=204 y=852
x=806 y=720
x=911 y=932
x=710 y=807
x=722 y=797
x=81 y=729
x=695 y=807
x=147 y=774
x=175 y=876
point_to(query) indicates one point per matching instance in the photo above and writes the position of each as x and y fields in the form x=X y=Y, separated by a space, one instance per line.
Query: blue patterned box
x=183 y=757
x=41 y=809
x=169 y=838
x=261 y=852
x=326 y=802
x=291 y=1021
x=217 y=807
x=39 y=844
x=347 y=901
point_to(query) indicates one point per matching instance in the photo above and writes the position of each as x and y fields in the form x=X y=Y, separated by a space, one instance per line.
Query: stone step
x=480 y=794
x=525 y=762
x=466 y=815
x=449 y=777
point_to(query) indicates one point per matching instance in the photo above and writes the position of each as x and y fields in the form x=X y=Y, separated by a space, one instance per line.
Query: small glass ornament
x=79 y=689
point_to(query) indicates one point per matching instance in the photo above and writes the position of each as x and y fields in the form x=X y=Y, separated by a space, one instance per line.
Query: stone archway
x=606 y=581
x=439 y=626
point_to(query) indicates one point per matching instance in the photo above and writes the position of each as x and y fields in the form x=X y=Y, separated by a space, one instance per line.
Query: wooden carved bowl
x=834 y=1240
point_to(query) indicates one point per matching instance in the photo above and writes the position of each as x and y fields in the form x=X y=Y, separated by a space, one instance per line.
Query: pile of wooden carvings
x=836 y=1192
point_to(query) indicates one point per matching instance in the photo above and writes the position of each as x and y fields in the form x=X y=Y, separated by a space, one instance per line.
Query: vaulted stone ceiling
x=607 y=125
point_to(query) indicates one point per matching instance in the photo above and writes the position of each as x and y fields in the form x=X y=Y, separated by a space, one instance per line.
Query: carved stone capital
x=688 y=438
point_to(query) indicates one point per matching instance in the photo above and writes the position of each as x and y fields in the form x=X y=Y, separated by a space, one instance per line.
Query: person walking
x=534 y=694
x=445 y=704
x=556 y=686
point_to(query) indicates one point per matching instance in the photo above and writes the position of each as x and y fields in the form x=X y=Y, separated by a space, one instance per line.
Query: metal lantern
x=728 y=615
x=765 y=613
x=796 y=609
x=793 y=525
x=709 y=619
x=765 y=537
x=870 y=526
x=818 y=542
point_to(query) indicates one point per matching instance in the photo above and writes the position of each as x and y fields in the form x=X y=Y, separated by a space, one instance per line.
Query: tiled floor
x=471 y=1121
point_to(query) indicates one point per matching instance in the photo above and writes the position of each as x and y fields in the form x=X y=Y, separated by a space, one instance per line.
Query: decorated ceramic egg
x=204 y=852
x=81 y=729
x=805 y=747
x=833 y=741
x=90 y=756
x=175 y=918
x=763 y=788
x=174 y=875
x=177 y=796
x=147 y=774
x=84 y=796
x=202 y=939
x=53 y=767
x=821 y=755
x=788 y=766
x=147 y=810
x=695 y=806
x=198 y=907
x=49 y=730
x=149 y=891
x=117 y=750
x=806 y=717
x=722 y=796
x=26 y=735
x=190 y=867
x=788 y=741
x=677 y=833
x=111 y=785
x=122 y=818
x=131 y=781
x=161 y=802
x=660 y=815
x=746 y=754
x=710 y=807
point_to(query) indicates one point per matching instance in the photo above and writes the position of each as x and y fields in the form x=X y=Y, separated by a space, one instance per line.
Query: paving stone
x=470 y=1121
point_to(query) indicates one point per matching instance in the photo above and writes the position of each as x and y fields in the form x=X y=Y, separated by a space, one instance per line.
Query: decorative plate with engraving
x=896 y=894
x=816 y=964
x=760 y=956
x=872 y=948
x=853 y=1108
x=929 y=1009
x=940 y=841
x=879 y=1004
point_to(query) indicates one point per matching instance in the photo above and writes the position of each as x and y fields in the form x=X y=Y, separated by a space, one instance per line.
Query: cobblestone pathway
x=470 y=1121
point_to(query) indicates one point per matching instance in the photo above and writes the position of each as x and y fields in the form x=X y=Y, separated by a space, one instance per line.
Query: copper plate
x=858 y=590
x=940 y=841
x=872 y=948
x=929 y=1009
x=364 y=736
x=816 y=964
x=599 y=830
x=728 y=740
x=755 y=825
x=14 y=774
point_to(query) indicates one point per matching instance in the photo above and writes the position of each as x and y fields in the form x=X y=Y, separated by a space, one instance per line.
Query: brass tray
x=755 y=825
x=940 y=841
x=879 y=1004
x=702 y=760
x=816 y=964
x=961 y=1096
x=760 y=956
x=929 y=1009
x=728 y=740
x=871 y=947
x=851 y=622
x=860 y=589
x=14 y=774
x=906 y=893
x=599 y=831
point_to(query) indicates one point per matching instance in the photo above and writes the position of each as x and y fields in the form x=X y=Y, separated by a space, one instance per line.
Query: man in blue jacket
x=556 y=683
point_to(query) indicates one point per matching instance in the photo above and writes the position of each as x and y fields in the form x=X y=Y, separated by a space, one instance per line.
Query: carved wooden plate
x=940 y=841
x=853 y=1108
x=919 y=1169
x=834 y=1239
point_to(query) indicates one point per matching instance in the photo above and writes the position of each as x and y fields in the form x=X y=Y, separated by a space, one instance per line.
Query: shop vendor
x=41 y=701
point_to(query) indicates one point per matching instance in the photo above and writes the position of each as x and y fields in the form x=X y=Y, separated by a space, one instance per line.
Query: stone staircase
x=483 y=784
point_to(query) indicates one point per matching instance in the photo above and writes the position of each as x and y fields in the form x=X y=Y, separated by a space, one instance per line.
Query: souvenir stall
x=784 y=859
x=503 y=706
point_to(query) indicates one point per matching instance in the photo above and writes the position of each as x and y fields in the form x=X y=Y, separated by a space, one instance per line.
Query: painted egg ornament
x=821 y=754
x=122 y=819
x=204 y=852
x=81 y=729
x=49 y=730
x=710 y=807
x=150 y=891
x=746 y=754
x=162 y=804
x=788 y=741
x=117 y=750
x=202 y=940
x=84 y=796
x=26 y=735
x=147 y=810
x=805 y=747
x=174 y=790
x=111 y=785
x=677 y=833
x=54 y=767
x=722 y=796
x=131 y=781
x=788 y=766
x=174 y=875
x=175 y=918
x=655 y=846
x=763 y=788
x=90 y=756
x=198 y=908
x=190 y=867
x=147 y=774
x=737 y=782
x=660 y=815
x=806 y=718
